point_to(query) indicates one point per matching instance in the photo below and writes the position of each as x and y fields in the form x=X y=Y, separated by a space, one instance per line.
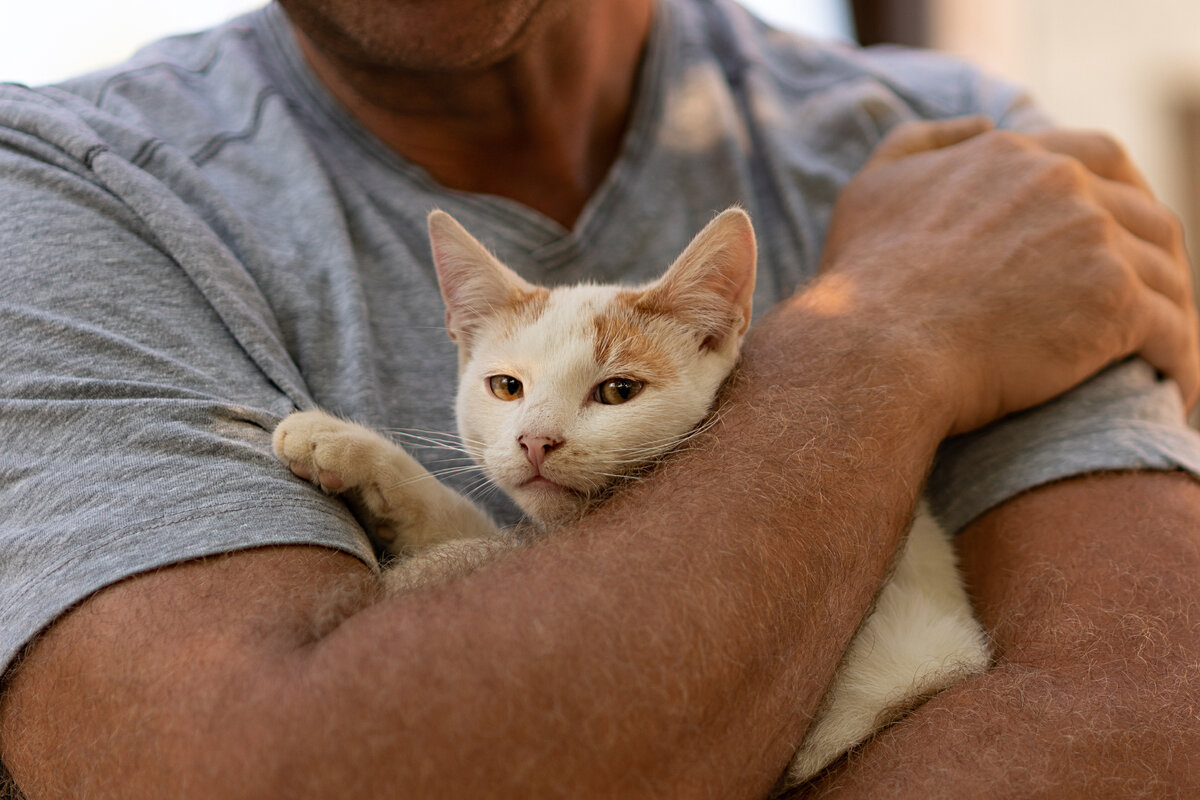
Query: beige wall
x=1125 y=66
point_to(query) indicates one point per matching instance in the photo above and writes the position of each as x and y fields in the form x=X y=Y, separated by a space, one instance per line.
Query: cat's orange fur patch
x=649 y=303
x=522 y=309
x=714 y=319
x=630 y=339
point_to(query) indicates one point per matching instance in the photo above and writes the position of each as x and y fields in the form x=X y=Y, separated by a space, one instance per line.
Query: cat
x=563 y=393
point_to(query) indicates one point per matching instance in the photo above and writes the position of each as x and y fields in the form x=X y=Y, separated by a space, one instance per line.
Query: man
x=228 y=227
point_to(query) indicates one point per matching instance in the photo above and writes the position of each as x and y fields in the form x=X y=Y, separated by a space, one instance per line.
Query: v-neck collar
x=543 y=239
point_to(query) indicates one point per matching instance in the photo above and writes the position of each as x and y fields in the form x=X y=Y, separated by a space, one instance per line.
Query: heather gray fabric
x=200 y=240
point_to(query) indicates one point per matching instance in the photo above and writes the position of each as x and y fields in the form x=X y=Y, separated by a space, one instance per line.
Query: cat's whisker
x=435 y=475
x=664 y=443
x=483 y=483
x=459 y=470
x=415 y=440
x=415 y=445
x=432 y=435
x=481 y=490
x=670 y=443
x=480 y=482
x=424 y=432
x=620 y=476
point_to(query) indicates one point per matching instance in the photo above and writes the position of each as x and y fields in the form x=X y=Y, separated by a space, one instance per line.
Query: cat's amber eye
x=615 y=391
x=506 y=387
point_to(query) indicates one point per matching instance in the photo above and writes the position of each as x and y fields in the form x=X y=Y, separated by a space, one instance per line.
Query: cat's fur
x=554 y=447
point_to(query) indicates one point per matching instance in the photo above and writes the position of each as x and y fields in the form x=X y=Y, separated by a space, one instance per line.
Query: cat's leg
x=407 y=507
x=443 y=563
x=921 y=638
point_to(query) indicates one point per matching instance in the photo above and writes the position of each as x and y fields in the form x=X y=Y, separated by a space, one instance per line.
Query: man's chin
x=429 y=36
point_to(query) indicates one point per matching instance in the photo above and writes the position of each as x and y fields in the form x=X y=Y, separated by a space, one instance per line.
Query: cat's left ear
x=475 y=285
x=711 y=285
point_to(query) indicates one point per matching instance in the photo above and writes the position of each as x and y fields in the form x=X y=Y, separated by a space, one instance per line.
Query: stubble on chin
x=421 y=36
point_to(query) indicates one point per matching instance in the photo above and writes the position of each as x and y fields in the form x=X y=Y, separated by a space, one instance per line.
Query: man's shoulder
x=180 y=90
x=802 y=72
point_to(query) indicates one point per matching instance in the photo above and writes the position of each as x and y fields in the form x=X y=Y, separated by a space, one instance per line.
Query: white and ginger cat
x=565 y=392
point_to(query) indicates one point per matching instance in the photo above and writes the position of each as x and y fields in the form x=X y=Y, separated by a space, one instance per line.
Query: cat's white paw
x=332 y=453
x=345 y=458
x=400 y=502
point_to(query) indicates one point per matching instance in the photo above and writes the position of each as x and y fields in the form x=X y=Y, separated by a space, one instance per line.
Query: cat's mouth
x=542 y=482
x=549 y=502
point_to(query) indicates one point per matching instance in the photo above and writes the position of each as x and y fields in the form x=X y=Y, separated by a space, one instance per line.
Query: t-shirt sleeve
x=1126 y=418
x=140 y=379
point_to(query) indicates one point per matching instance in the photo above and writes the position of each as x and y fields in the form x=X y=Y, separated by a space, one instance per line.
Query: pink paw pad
x=331 y=480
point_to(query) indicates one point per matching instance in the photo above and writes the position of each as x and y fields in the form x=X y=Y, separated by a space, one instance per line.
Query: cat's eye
x=615 y=391
x=506 y=387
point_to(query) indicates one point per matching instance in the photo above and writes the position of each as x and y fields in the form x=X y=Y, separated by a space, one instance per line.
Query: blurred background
x=1131 y=67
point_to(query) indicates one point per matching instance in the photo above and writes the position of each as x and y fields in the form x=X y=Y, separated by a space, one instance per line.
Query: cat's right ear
x=475 y=285
x=711 y=285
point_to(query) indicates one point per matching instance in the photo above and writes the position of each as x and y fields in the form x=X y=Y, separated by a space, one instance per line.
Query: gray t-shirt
x=199 y=241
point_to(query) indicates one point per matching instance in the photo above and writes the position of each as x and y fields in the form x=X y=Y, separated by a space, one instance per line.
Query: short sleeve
x=140 y=379
x=1126 y=418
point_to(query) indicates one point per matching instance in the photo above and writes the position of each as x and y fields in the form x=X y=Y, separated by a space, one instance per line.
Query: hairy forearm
x=1089 y=589
x=672 y=644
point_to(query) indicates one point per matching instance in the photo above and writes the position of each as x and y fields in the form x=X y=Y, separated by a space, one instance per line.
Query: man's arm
x=670 y=645
x=1089 y=589
x=673 y=645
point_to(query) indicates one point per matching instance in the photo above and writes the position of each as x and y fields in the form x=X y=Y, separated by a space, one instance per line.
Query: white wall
x=46 y=41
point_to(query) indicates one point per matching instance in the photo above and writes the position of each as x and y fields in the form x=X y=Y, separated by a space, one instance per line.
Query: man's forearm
x=1089 y=589
x=682 y=618
x=666 y=646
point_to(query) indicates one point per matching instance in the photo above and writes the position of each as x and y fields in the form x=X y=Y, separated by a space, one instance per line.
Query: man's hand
x=1022 y=263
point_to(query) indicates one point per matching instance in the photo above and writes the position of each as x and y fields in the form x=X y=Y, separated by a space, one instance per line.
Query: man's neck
x=542 y=127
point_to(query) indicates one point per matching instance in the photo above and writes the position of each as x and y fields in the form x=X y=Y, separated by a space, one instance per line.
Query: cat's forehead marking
x=523 y=309
x=626 y=338
x=649 y=304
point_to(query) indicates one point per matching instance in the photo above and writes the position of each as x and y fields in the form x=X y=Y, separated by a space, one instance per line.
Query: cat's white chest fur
x=563 y=394
x=920 y=638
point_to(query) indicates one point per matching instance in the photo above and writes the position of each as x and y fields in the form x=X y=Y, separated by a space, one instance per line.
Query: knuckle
x=1090 y=226
x=1172 y=227
x=1111 y=284
x=1061 y=172
x=1099 y=225
x=905 y=131
x=1005 y=142
x=1105 y=146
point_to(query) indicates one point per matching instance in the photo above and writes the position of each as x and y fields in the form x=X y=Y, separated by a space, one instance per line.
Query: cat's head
x=563 y=392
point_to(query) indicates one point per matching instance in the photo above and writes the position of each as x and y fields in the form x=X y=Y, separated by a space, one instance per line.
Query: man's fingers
x=1157 y=270
x=1141 y=215
x=1170 y=343
x=908 y=138
x=1101 y=154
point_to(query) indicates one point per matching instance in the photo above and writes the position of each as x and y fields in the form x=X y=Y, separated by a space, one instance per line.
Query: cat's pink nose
x=536 y=448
